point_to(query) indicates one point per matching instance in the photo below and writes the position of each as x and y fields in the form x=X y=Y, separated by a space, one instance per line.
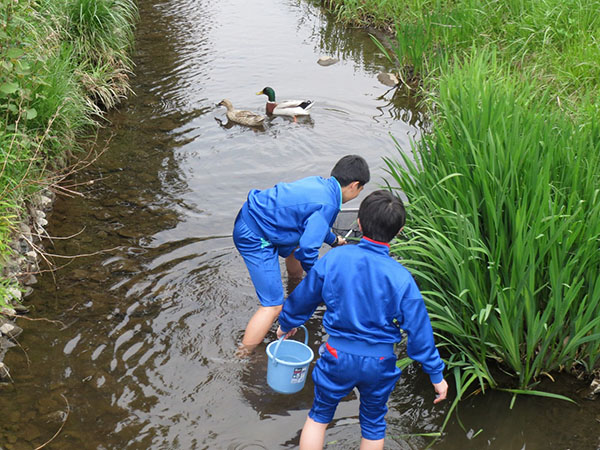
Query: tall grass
x=556 y=41
x=101 y=26
x=61 y=65
x=504 y=218
x=100 y=33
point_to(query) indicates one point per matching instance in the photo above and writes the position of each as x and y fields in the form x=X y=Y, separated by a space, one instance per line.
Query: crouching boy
x=290 y=220
x=369 y=297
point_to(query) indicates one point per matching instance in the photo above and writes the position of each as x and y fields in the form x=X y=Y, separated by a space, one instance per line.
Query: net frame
x=346 y=225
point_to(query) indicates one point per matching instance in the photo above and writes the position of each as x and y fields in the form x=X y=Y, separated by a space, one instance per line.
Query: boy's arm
x=304 y=299
x=316 y=231
x=414 y=320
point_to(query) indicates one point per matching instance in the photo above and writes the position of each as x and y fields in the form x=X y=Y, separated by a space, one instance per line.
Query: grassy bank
x=504 y=222
x=62 y=65
x=553 y=41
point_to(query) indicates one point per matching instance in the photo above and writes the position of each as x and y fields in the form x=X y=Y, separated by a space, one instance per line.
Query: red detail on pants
x=332 y=350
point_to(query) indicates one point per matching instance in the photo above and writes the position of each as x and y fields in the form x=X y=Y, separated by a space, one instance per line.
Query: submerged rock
x=594 y=387
x=9 y=329
x=327 y=60
x=389 y=79
x=21 y=309
x=29 y=279
x=5 y=344
x=4 y=372
x=55 y=417
x=31 y=433
x=123 y=232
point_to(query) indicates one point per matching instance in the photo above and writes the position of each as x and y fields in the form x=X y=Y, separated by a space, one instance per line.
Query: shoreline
x=51 y=99
x=20 y=269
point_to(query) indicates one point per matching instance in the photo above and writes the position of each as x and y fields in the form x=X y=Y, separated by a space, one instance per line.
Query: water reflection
x=357 y=49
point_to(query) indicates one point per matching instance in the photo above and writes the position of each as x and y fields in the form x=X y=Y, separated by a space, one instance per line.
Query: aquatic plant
x=504 y=225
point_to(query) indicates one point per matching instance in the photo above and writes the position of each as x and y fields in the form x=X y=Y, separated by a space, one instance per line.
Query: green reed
x=102 y=30
x=365 y=12
x=504 y=225
x=100 y=34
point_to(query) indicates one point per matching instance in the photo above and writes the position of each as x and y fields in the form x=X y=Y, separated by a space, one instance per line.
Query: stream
x=131 y=340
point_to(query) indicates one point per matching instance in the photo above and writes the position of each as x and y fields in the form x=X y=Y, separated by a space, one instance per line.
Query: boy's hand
x=441 y=390
x=288 y=334
x=339 y=240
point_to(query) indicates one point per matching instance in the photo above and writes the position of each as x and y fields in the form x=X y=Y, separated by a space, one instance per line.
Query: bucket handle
x=280 y=340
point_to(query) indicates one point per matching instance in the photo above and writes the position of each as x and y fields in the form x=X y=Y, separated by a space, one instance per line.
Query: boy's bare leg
x=313 y=435
x=295 y=272
x=258 y=327
x=368 y=444
x=293 y=266
x=291 y=285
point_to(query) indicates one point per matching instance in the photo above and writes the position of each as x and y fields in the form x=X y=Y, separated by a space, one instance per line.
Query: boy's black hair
x=381 y=216
x=351 y=168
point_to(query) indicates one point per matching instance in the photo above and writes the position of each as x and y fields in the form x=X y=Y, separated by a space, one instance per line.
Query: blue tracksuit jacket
x=300 y=213
x=364 y=290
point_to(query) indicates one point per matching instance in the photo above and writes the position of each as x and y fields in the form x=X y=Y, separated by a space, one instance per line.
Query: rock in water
x=327 y=60
x=4 y=372
x=389 y=79
x=10 y=330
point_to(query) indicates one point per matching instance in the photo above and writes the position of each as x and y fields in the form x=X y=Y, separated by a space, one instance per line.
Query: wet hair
x=381 y=216
x=351 y=168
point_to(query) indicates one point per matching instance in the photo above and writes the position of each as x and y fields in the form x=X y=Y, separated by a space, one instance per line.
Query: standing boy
x=291 y=220
x=370 y=297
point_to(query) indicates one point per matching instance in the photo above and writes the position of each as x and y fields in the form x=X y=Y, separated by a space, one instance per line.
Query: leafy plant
x=504 y=225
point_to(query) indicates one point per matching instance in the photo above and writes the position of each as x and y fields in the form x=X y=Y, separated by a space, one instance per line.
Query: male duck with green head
x=290 y=108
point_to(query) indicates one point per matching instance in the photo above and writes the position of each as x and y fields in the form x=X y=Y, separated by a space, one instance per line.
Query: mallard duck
x=242 y=117
x=291 y=108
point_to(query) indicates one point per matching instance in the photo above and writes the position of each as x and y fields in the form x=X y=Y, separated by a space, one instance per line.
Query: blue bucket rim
x=280 y=341
x=290 y=363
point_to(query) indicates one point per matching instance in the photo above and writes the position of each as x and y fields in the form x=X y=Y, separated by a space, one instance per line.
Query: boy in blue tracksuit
x=370 y=297
x=291 y=220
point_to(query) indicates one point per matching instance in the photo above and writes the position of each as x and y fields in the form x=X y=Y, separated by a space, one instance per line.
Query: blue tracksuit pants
x=337 y=373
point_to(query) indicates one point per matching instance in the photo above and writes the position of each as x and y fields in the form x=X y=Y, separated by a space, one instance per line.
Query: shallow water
x=132 y=343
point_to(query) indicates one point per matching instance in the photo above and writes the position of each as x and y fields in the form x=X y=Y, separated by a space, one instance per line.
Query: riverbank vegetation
x=504 y=218
x=62 y=64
